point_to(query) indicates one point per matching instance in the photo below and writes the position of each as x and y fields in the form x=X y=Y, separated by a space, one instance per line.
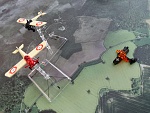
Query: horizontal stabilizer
x=41 y=13
x=22 y=45
x=16 y=51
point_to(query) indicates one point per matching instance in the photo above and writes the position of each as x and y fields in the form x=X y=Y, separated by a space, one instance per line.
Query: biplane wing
x=15 y=68
x=22 y=20
x=38 y=48
x=37 y=23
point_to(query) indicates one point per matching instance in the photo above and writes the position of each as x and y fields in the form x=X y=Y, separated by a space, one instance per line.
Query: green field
x=118 y=37
x=74 y=98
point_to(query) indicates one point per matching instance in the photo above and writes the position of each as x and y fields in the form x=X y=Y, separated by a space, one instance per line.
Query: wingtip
x=8 y=75
x=17 y=21
x=148 y=21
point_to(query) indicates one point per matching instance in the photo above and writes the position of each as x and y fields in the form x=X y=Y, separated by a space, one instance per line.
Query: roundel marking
x=39 y=23
x=39 y=47
x=13 y=70
x=21 y=19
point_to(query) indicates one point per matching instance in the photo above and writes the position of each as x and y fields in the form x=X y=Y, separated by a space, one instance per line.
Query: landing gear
x=31 y=28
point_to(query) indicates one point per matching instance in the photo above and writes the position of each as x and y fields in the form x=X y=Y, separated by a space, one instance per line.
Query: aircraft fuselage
x=30 y=61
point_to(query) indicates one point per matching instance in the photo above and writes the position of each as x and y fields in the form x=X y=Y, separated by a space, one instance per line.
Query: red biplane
x=122 y=55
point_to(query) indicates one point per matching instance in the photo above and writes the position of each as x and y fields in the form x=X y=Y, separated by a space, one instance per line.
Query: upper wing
x=38 y=48
x=15 y=68
x=22 y=20
x=37 y=23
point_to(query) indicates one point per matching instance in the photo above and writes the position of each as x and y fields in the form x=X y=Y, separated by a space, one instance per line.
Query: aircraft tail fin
x=17 y=50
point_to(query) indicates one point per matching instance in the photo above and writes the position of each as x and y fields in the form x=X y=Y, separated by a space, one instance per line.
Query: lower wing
x=38 y=23
x=15 y=68
x=22 y=20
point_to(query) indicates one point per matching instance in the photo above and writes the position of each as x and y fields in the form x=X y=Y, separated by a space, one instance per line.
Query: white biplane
x=27 y=59
x=30 y=24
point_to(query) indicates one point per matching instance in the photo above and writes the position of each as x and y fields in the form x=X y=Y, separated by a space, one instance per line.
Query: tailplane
x=41 y=13
x=17 y=50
